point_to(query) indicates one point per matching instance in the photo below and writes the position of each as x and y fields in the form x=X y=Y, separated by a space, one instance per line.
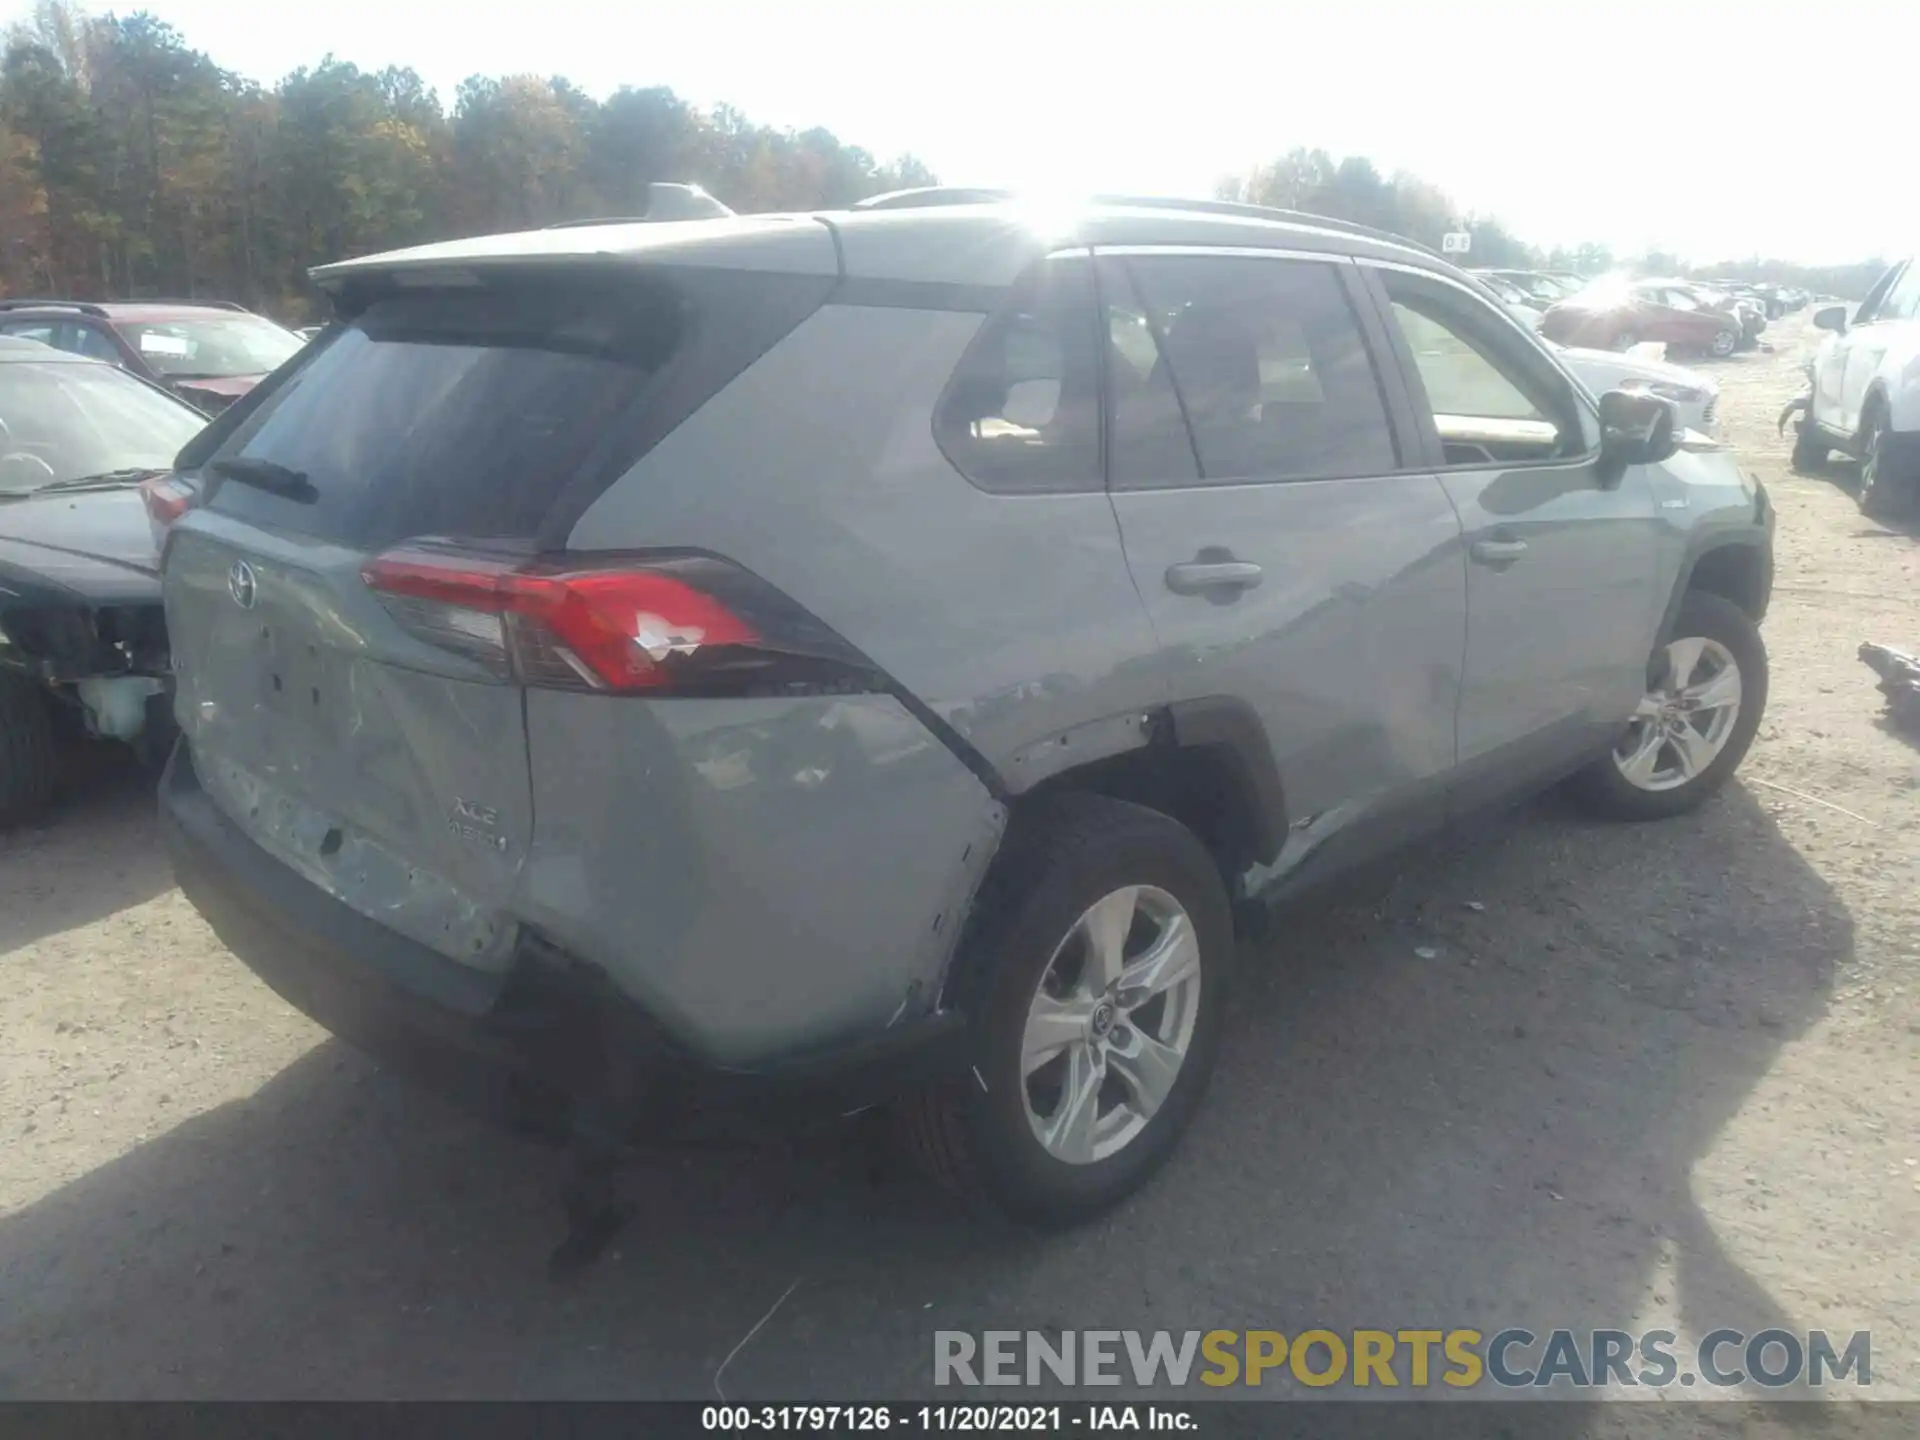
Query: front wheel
x=1093 y=981
x=1724 y=344
x=1693 y=726
x=1809 y=450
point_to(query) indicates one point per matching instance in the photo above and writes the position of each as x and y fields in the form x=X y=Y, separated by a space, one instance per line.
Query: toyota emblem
x=242 y=585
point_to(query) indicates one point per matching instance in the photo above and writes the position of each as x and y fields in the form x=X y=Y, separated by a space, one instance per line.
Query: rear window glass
x=459 y=412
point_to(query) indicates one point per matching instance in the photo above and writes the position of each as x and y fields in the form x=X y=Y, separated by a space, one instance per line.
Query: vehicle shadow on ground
x=95 y=851
x=1844 y=474
x=1427 y=1114
x=1906 y=734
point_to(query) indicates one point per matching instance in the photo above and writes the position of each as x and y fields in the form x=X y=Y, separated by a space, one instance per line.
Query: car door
x=1834 y=361
x=1562 y=603
x=1868 y=341
x=1294 y=553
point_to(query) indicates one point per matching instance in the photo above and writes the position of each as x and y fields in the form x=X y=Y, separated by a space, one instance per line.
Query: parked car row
x=1777 y=300
x=208 y=353
x=1616 y=312
x=81 y=633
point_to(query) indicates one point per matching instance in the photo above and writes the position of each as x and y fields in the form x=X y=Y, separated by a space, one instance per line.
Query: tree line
x=132 y=165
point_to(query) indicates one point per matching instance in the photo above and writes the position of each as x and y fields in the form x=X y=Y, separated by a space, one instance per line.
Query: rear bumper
x=549 y=1046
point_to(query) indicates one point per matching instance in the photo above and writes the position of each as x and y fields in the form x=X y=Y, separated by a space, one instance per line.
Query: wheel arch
x=1900 y=396
x=1876 y=399
x=1205 y=762
x=1738 y=568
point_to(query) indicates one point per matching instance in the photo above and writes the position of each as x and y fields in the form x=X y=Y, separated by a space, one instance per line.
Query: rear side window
x=487 y=412
x=1022 y=412
x=1269 y=365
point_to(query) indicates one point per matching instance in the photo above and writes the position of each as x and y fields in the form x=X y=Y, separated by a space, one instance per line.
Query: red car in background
x=209 y=353
x=1617 y=314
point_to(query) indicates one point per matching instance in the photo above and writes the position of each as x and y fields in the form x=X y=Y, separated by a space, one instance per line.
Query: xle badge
x=478 y=823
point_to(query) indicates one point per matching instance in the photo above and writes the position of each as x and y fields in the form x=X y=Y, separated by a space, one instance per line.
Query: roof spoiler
x=666 y=200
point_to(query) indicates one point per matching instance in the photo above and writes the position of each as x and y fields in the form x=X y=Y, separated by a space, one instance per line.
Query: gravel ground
x=1659 y=1075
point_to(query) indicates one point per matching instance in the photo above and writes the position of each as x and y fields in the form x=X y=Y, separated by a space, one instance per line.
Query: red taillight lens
x=625 y=625
x=652 y=625
x=166 y=499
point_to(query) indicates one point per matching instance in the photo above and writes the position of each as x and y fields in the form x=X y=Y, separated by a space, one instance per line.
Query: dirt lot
x=1656 y=1075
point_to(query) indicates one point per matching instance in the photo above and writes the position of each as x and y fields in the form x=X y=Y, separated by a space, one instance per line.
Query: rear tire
x=1650 y=777
x=1889 y=484
x=26 y=748
x=1028 y=956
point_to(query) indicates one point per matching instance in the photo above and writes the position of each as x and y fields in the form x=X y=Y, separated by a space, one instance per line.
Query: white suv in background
x=1864 y=391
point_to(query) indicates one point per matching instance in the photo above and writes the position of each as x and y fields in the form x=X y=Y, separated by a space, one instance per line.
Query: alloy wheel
x=1110 y=1024
x=1685 y=721
x=1725 y=343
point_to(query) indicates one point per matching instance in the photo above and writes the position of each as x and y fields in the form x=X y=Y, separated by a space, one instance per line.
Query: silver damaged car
x=788 y=664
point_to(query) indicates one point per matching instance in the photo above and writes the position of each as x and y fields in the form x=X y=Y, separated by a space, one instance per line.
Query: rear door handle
x=1196 y=577
x=1498 y=552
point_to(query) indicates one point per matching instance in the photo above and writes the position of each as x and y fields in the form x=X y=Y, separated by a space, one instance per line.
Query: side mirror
x=1636 y=428
x=1831 y=317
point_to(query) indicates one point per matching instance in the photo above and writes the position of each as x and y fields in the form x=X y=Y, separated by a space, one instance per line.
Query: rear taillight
x=658 y=624
x=167 y=498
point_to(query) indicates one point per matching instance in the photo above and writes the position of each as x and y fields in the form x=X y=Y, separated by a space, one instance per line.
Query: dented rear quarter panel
x=767 y=877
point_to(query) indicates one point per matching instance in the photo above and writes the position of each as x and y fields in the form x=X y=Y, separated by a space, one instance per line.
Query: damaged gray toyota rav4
x=637 y=675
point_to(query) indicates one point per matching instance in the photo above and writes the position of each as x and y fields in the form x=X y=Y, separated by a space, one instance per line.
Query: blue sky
x=1716 y=129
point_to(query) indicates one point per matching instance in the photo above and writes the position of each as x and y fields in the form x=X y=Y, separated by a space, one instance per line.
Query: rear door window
x=94 y=345
x=477 y=413
x=1269 y=366
x=1148 y=443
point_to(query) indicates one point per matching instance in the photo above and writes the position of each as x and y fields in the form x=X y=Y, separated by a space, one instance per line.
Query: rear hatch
x=338 y=707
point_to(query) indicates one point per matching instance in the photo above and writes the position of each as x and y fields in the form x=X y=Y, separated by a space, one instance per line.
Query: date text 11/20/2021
x=937 y=1419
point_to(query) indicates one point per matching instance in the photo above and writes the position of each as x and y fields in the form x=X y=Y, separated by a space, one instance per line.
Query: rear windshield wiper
x=106 y=479
x=268 y=475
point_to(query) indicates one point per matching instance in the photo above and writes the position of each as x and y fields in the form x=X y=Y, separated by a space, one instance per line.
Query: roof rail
x=666 y=200
x=1264 y=212
x=933 y=195
x=197 y=304
x=595 y=220
x=926 y=195
x=26 y=304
